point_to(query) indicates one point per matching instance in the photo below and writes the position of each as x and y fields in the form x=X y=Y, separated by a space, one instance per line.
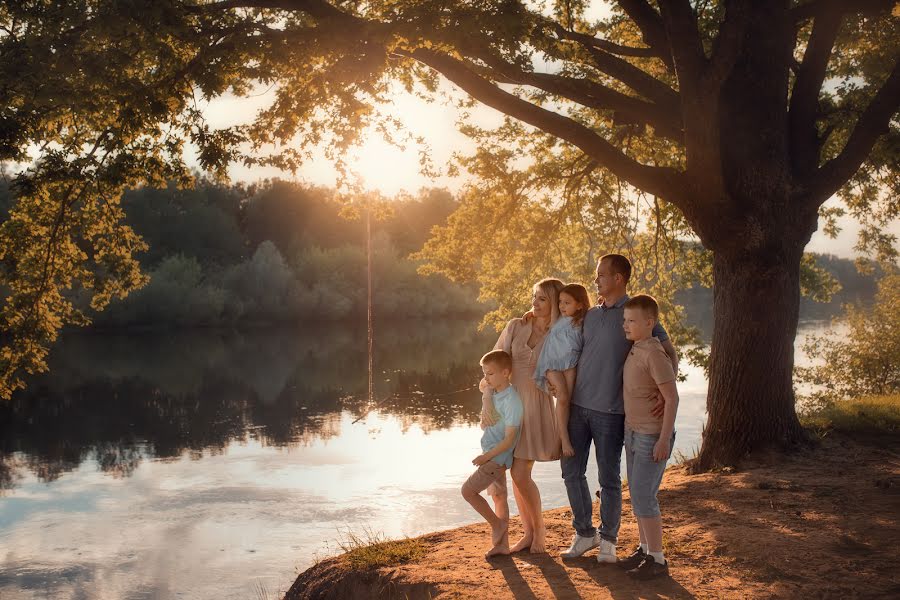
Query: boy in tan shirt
x=648 y=439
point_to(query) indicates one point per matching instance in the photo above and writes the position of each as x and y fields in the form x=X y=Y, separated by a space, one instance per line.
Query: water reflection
x=195 y=466
x=118 y=400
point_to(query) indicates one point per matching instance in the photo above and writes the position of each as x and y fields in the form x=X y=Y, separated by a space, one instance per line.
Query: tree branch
x=635 y=78
x=587 y=93
x=590 y=41
x=728 y=43
x=680 y=24
x=807 y=86
x=621 y=50
x=815 y=8
x=873 y=122
x=600 y=97
x=655 y=180
x=314 y=8
x=651 y=26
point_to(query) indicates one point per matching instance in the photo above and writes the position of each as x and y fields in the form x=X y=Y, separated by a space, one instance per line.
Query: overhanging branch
x=728 y=43
x=601 y=44
x=617 y=68
x=815 y=8
x=651 y=26
x=874 y=121
x=680 y=24
x=662 y=181
x=807 y=86
x=587 y=93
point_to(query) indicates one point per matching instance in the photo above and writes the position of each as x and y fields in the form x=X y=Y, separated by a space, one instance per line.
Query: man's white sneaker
x=580 y=545
x=607 y=552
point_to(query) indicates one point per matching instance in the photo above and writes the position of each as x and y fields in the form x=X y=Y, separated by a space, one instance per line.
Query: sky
x=378 y=164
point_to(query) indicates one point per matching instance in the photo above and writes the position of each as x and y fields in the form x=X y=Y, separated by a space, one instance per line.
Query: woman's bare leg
x=528 y=497
x=519 y=471
x=563 y=387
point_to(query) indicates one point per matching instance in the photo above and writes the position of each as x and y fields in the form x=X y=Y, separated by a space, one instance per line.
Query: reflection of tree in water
x=10 y=472
x=429 y=377
x=118 y=400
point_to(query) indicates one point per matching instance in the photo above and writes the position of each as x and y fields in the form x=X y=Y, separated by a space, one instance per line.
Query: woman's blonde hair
x=551 y=288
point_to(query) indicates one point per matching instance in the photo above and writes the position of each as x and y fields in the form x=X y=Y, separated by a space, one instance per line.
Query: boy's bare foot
x=500 y=539
x=500 y=531
x=522 y=544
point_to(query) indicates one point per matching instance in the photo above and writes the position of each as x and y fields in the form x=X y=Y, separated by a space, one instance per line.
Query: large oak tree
x=743 y=116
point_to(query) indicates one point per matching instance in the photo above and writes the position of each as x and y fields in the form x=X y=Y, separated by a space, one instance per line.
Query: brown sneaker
x=649 y=569
x=630 y=562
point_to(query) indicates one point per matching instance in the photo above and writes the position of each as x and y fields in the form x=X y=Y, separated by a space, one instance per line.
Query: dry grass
x=371 y=550
x=872 y=414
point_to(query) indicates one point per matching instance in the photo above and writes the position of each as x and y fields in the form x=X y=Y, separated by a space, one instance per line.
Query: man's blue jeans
x=607 y=432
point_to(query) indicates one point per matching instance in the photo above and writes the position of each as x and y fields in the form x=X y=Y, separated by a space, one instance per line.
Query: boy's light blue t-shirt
x=509 y=406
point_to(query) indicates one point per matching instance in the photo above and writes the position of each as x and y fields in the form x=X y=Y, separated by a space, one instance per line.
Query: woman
x=539 y=439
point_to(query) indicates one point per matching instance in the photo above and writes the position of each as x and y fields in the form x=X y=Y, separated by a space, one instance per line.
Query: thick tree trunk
x=751 y=398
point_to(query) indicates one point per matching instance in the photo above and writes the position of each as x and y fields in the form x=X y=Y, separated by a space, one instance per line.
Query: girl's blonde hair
x=551 y=288
x=580 y=295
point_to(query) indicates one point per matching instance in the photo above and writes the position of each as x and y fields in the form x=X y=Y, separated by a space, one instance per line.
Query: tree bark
x=756 y=300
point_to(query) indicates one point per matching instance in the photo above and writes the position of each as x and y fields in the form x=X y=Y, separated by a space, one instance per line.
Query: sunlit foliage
x=861 y=356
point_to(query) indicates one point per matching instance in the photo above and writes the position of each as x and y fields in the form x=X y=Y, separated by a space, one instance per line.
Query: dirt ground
x=819 y=524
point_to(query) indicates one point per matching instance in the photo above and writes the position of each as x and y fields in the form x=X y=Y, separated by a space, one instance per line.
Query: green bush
x=264 y=286
x=863 y=359
x=177 y=294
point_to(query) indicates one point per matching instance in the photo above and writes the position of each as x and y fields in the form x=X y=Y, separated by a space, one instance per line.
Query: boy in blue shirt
x=497 y=444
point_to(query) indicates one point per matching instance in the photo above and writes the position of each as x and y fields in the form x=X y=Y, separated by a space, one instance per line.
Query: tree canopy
x=733 y=121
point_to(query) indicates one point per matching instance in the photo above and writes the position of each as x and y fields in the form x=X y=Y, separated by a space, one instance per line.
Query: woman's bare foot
x=522 y=544
x=500 y=539
x=538 y=544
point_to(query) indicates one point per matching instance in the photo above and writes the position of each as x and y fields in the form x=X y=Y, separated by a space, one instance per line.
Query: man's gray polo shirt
x=598 y=384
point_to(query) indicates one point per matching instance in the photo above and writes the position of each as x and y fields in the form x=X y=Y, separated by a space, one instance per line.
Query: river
x=203 y=465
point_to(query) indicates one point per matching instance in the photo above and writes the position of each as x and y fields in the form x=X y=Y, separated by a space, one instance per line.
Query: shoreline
x=821 y=523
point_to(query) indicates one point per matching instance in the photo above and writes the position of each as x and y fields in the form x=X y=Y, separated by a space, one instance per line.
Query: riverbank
x=822 y=523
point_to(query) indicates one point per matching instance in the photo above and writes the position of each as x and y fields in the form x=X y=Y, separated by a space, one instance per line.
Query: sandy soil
x=819 y=524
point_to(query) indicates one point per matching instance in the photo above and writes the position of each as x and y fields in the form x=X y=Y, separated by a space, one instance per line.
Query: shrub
x=864 y=360
x=177 y=294
x=264 y=286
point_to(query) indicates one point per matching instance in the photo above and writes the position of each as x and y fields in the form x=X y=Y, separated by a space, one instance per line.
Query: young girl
x=558 y=358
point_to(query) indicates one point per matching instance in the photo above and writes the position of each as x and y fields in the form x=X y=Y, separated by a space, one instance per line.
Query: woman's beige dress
x=539 y=439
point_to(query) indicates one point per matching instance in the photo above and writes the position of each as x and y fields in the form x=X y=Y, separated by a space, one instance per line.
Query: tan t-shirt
x=646 y=368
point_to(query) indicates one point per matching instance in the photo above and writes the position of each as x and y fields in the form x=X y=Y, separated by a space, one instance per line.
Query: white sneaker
x=607 y=552
x=580 y=545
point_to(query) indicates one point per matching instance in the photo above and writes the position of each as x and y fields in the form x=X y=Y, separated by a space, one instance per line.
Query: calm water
x=217 y=465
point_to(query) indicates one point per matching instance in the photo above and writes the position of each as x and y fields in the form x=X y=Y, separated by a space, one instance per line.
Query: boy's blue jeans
x=644 y=474
x=607 y=432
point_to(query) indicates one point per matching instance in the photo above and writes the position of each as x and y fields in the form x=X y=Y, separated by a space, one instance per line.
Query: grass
x=682 y=458
x=871 y=414
x=263 y=593
x=371 y=550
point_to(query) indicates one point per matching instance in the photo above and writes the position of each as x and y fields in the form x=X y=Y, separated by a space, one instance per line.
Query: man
x=598 y=412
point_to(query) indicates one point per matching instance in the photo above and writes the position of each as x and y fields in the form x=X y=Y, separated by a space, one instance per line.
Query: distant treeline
x=280 y=251
x=229 y=255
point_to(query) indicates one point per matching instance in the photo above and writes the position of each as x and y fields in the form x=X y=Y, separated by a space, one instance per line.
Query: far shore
x=822 y=523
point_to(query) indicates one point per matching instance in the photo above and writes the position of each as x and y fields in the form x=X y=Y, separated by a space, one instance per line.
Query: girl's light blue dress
x=561 y=350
